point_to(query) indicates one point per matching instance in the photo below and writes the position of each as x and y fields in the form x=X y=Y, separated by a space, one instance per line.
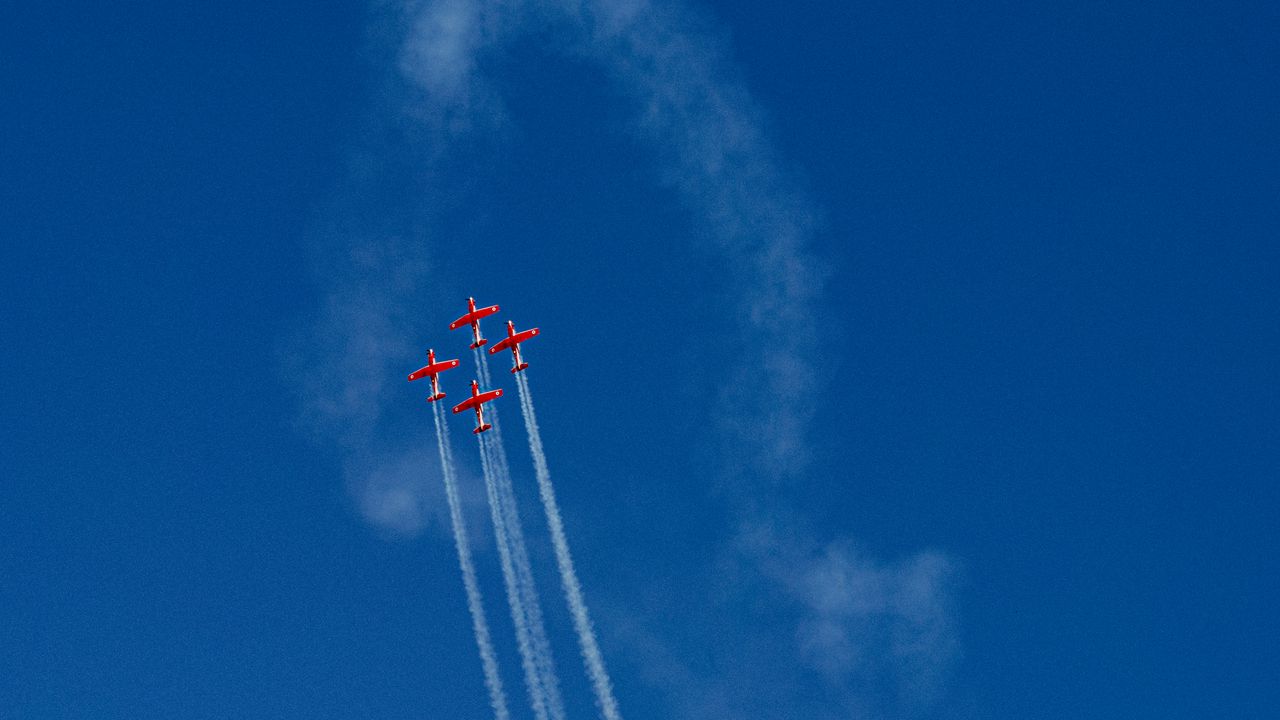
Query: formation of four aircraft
x=433 y=369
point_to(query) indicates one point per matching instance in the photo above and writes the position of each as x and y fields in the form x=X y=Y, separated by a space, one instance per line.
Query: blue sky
x=898 y=360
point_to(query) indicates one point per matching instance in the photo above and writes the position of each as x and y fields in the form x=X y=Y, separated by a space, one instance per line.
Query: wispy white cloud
x=865 y=619
x=711 y=145
x=341 y=366
x=440 y=53
x=711 y=140
x=400 y=494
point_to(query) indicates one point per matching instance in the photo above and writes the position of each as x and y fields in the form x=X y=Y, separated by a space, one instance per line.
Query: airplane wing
x=432 y=369
x=480 y=399
x=472 y=317
x=513 y=340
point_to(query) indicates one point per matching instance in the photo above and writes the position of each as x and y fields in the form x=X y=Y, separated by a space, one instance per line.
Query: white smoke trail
x=520 y=556
x=475 y=603
x=591 y=655
x=532 y=676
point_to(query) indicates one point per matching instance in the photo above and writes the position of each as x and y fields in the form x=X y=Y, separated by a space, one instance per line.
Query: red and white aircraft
x=513 y=341
x=432 y=370
x=472 y=318
x=476 y=400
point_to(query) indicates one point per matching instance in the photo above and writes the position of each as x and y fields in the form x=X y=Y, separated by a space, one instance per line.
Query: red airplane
x=475 y=401
x=432 y=370
x=513 y=341
x=472 y=318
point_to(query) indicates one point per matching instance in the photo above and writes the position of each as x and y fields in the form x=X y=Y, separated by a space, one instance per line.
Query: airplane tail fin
x=481 y=429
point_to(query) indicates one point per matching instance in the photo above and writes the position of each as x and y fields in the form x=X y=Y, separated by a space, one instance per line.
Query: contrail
x=475 y=603
x=591 y=655
x=525 y=585
x=532 y=680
